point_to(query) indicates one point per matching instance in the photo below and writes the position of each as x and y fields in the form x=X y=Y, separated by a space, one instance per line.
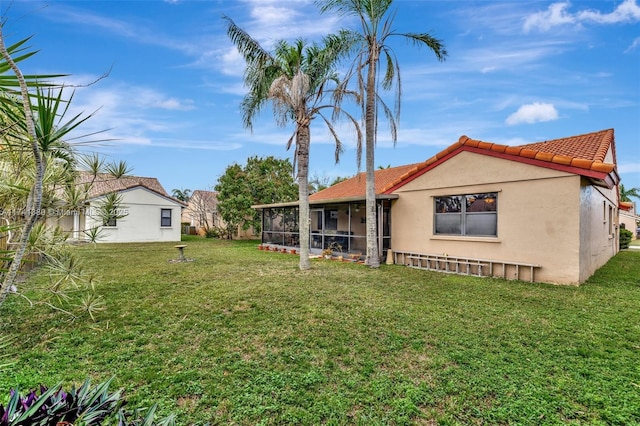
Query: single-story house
x=545 y=211
x=201 y=212
x=629 y=218
x=146 y=212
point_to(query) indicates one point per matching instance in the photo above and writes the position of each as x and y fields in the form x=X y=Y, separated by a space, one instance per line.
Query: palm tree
x=181 y=194
x=376 y=28
x=626 y=194
x=296 y=79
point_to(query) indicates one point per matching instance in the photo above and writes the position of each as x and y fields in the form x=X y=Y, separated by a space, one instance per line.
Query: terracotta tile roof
x=583 y=152
x=355 y=186
x=590 y=147
x=626 y=205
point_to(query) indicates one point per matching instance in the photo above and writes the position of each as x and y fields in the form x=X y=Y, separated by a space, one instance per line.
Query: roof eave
x=129 y=188
x=340 y=200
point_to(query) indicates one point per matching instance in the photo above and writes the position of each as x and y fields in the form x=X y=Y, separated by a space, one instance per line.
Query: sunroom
x=339 y=225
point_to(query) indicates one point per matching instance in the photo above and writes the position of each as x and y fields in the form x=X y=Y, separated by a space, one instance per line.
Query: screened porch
x=339 y=226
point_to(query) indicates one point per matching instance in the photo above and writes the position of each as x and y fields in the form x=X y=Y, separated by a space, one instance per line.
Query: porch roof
x=326 y=201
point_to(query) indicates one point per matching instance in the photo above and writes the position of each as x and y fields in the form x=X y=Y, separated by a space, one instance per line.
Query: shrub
x=85 y=405
x=212 y=232
x=625 y=238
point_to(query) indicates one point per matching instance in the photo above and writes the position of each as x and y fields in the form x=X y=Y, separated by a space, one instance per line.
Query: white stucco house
x=146 y=212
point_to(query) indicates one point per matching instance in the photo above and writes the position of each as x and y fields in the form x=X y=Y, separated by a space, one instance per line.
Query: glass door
x=316 y=227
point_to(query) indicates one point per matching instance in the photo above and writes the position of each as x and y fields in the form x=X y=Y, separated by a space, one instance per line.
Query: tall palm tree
x=376 y=28
x=626 y=194
x=299 y=80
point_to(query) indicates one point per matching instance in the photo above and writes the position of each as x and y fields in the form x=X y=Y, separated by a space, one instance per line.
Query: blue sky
x=517 y=72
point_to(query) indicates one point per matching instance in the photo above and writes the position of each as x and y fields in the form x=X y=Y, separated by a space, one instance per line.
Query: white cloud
x=627 y=11
x=533 y=113
x=558 y=14
x=634 y=45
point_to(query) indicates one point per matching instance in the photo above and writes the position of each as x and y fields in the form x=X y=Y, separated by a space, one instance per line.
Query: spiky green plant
x=85 y=405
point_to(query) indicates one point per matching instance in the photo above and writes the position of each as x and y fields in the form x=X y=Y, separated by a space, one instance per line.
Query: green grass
x=241 y=336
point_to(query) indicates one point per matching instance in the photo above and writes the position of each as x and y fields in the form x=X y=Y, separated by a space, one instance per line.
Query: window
x=165 y=217
x=111 y=221
x=471 y=214
x=611 y=227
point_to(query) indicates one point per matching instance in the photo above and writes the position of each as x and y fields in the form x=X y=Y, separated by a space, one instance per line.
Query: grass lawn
x=241 y=336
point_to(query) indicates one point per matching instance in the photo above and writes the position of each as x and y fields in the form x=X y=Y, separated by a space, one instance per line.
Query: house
x=544 y=211
x=145 y=212
x=201 y=212
x=629 y=218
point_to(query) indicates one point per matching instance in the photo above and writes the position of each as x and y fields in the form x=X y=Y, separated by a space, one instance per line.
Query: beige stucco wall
x=539 y=216
x=629 y=219
x=599 y=238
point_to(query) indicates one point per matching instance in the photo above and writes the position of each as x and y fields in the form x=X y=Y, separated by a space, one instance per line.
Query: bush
x=86 y=405
x=625 y=238
x=211 y=232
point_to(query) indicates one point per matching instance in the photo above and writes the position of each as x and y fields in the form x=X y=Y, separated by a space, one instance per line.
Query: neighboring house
x=148 y=212
x=201 y=212
x=629 y=218
x=546 y=211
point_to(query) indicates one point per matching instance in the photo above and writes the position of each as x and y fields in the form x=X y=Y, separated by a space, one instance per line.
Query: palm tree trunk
x=303 y=138
x=373 y=256
x=34 y=201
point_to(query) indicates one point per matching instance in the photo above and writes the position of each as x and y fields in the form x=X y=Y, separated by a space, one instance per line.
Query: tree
x=181 y=194
x=296 y=79
x=338 y=179
x=38 y=174
x=261 y=181
x=203 y=211
x=317 y=183
x=626 y=194
x=376 y=28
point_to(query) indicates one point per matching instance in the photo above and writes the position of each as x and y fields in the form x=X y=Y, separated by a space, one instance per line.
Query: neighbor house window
x=165 y=217
x=470 y=214
x=109 y=222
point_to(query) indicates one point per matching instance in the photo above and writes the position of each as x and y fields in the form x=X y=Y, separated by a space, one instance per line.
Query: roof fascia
x=342 y=200
x=608 y=179
x=174 y=200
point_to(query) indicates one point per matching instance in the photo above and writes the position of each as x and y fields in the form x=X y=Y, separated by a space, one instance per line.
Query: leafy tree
x=300 y=82
x=261 y=181
x=181 y=194
x=376 y=29
x=626 y=194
